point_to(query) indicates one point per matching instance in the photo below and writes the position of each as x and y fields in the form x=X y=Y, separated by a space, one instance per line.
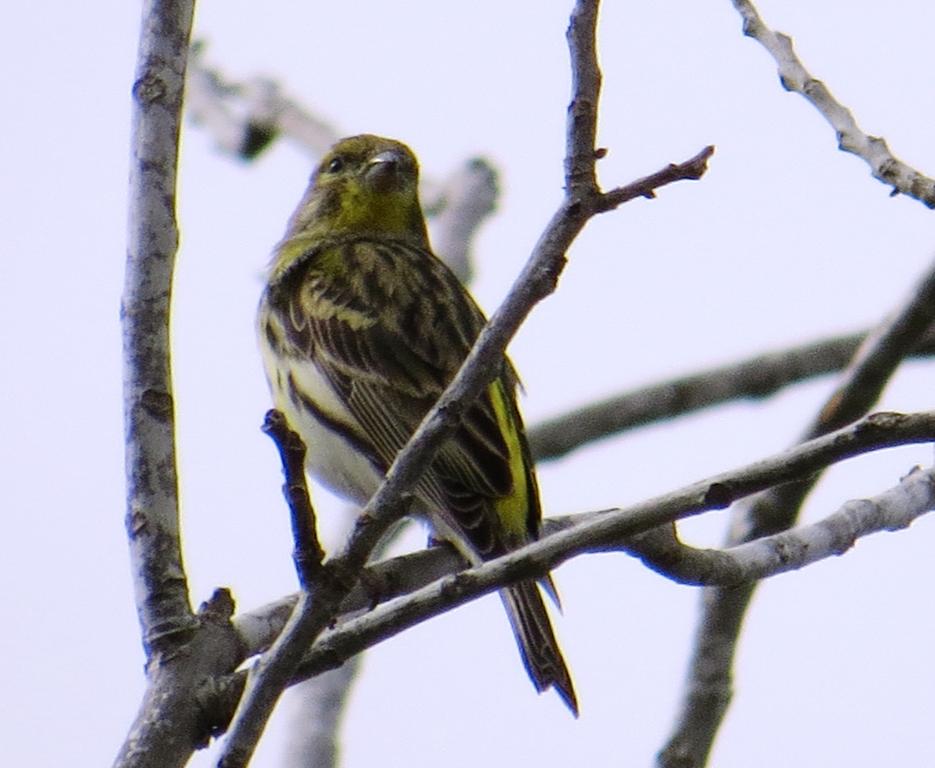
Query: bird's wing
x=388 y=326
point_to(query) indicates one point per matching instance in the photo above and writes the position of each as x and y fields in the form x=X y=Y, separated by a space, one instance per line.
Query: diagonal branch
x=583 y=199
x=610 y=530
x=636 y=529
x=871 y=149
x=756 y=377
x=709 y=685
x=893 y=510
x=244 y=118
x=861 y=385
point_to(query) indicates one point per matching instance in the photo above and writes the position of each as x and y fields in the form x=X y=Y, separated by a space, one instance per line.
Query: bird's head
x=364 y=185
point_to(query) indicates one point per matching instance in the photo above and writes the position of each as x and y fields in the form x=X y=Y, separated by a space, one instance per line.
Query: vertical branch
x=581 y=128
x=308 y=554
x=152 y=485
x=318 y=709
x=183 y=650
x=469 y=195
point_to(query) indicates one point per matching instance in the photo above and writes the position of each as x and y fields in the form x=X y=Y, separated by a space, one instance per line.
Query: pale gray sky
x=784 y=240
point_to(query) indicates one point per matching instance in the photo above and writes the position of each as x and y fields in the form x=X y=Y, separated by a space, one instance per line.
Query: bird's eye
x=335 y=165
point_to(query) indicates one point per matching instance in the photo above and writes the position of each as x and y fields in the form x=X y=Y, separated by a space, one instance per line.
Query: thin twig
x=871 y=149
x=308 y=553
x=646 y=187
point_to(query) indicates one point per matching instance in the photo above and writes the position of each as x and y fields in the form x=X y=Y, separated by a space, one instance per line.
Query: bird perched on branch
x=361 y=328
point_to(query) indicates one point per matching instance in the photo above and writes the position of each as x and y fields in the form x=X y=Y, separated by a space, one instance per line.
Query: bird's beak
x=382 y=170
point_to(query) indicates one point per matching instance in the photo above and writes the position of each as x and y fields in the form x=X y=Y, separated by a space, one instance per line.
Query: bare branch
x=465 y=200
x=318 y=709
x=871 y=149
x=182 y=649
x=175 y=716
x=152 y=483
x=790 y=550
x=756 y=377
x=161 y=734
x=861 y=385
x=893 y=510
x=634 y=529
x=581 y=121
x=620 y=530
x=321 y=699
x=245 y=117
x=537 y=280
x=308 y=553
x=709 y=687
x=693 y=168
x=382 y=581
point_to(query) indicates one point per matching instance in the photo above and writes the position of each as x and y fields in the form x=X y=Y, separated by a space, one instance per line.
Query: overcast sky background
x=785 y=240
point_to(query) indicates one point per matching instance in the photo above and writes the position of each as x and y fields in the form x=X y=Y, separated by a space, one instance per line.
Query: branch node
x=149 y=88
x=158 y=404
x=718 y=496
x=219 y=607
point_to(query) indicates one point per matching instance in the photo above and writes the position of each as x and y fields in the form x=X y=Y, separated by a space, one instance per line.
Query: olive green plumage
x=361 y=329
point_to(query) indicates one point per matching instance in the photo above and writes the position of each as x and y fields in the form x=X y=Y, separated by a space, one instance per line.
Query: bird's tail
x=536 y=640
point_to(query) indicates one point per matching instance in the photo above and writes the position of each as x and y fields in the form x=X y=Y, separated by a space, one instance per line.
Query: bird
x=361 y=328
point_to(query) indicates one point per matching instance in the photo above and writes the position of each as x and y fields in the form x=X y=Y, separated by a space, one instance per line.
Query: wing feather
x=372 y=318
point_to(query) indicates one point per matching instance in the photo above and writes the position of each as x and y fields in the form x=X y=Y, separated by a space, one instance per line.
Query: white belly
x=331 y=458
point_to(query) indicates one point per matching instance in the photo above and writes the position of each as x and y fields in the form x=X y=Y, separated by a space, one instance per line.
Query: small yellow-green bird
x=361 y=329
